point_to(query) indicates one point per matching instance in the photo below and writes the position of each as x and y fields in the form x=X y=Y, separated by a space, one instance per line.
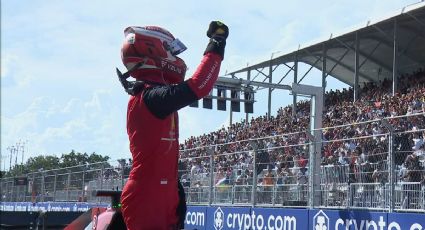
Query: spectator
x=269 y=181
x=302 y=180
x=286 y=145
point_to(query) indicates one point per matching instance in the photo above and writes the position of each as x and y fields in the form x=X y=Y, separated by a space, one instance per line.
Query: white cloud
x=59 y=88
x=6 y=62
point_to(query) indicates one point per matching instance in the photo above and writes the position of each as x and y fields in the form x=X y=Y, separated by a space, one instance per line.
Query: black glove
x=218 y=29
x=218 y=33
x=131 y=87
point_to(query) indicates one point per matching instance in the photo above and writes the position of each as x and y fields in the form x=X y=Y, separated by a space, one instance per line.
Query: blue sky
x=59 y=90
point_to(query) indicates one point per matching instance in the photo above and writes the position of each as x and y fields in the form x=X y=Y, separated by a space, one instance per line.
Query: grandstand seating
x=355 y=146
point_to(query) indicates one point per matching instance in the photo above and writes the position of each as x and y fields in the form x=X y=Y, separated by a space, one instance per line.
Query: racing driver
x=150 y=198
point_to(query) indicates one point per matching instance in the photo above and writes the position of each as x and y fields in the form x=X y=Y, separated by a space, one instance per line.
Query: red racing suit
x=150 y=196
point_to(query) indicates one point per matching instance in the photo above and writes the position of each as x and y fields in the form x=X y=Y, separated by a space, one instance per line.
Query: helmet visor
x=177 y=47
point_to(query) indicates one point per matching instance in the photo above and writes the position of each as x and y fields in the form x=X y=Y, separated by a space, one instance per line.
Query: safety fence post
x=254 y=146
x=210 y=152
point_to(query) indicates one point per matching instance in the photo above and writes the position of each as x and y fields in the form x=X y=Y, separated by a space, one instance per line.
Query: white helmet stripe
x=143 y=31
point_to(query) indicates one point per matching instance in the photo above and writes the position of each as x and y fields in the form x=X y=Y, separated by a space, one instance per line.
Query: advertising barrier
x=49 y=206
x=196 y=217
x=223 y=218
x=241 y=218
x=407 y=221
x=280 y=218
x=342 y=219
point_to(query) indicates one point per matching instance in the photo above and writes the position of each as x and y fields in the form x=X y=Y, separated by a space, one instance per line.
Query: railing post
x=42 y=186
x=350 y=196
x=33 y=199
x=210 y=152
x=82 y=185
x=122 y=174
x=54 y=186
x=313 y=169
x=102 y=170
x=254 y=174
x=6 y=189
x=233 y=194
x=14 y=193
x=68 y=183
x=391 y=168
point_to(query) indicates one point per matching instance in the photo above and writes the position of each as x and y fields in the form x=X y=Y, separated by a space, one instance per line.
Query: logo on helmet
x=131 y=38
x=169 y=66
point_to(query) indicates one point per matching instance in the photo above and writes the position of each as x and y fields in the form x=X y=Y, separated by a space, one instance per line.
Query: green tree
x=76 y=158
x=34 y=164
x=73 y=159
x=96 y=158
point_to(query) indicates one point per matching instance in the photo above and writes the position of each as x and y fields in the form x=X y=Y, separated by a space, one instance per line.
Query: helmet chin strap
x=136 y=66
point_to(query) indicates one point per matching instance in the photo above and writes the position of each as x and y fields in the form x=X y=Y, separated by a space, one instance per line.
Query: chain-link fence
x=376 y=164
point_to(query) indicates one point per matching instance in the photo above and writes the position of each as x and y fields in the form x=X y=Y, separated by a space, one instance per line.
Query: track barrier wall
x=223 y=218
x=226 y=217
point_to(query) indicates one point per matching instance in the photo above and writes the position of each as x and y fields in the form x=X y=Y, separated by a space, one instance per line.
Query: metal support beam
x=308 y=71
x=290 y=67
x=260 y=72
x=294 y=95
x=337 y=63
x=385 y=34
x=316 y=110
x=324 y=54
x=391 y=165
x=370 y=54
x=395 y=59
x=365 y=55
x=284 y=76
x=388 y=41
x=350 y=69
x=269 y=97
x=319 y=56
x=417 y=20
x=248 y=77
x=234 y=82
x=342 y=80
x=230 y=117
x=356 y=68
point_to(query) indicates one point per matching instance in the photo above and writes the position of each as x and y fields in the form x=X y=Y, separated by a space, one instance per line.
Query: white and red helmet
x=157 y=49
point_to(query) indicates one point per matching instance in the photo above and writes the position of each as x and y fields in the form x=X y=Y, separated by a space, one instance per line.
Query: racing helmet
x=157 y=50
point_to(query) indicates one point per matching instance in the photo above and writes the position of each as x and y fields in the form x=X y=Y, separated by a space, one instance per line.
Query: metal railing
x=378 y=169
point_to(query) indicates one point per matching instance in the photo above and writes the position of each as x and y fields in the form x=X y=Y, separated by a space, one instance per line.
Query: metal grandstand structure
x=384 y=49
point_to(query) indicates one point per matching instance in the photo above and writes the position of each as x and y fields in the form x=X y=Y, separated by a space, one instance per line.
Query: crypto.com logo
x=321 y=221
x=218 y=219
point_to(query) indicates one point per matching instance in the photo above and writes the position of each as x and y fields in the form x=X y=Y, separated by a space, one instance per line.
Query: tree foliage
x=68 y=160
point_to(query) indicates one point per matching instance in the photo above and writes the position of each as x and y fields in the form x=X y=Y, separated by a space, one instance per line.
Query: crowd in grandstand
x=349 y=140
